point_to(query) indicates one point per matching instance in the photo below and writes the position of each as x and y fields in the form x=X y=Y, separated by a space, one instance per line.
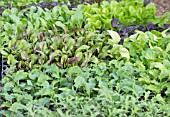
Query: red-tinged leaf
x=73 y=60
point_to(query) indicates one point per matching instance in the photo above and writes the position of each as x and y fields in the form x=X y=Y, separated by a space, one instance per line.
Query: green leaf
x=166 y=63
x=59 y=24
x=34 y=74
x=4 y=52
x=168 y=47
x=159 y=98
x=164 y=74
x=78 y=15
x=115 y=48
x=90 y=85
x=43 y=77
x=20 y=75
x=79 y=81
x=8 y=86
x=60 y=112
x=115 y=36
x=43 y=101
x=43 y=22
x=79 y=55
x=74 y=70
x=35 y=16
x=29 y=82
x=6 y=104
x=83 y=47
x=47 y=15
x=16 y=106
x=159 y=65
x=14 y=18
x=154 y=88
x=7 y=96
x=149 y=54
x=124 y=53
x=94 y=60
x=53 y=70
x=11 y=60
x=167 y=92
x=24 y=55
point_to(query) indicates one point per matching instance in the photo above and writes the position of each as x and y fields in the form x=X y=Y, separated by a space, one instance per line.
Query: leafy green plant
x=127 y=11
x=38 y=46
x=62 y=65
x=130 y=85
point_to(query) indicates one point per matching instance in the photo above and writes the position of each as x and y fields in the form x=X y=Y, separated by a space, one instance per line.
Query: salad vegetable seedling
x=84 y=59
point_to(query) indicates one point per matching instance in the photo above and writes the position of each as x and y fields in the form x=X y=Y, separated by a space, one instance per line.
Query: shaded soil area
x=162 y=5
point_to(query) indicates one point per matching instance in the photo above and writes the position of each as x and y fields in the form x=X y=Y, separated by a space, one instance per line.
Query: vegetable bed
x=81 y=59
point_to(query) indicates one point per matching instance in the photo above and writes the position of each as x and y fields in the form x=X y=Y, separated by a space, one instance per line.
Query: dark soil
x=162 y=5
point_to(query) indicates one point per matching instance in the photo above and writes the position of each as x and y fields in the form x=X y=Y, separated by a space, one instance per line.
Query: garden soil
x=162 y=5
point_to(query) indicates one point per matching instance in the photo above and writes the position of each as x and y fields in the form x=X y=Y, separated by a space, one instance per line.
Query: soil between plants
x=162 y=5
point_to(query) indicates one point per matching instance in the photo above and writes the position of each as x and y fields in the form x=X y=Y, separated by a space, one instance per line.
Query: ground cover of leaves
x=70 y=63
